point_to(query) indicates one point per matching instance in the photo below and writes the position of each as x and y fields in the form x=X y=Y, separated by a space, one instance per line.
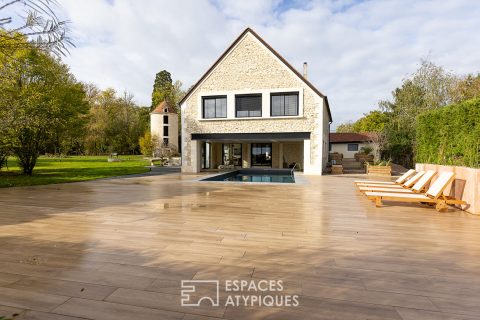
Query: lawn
x=71 y=169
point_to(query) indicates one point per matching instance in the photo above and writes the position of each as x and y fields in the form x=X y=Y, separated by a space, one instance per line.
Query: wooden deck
x=118 y=249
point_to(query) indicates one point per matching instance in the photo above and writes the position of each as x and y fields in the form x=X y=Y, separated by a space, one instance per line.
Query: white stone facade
x=251 y=67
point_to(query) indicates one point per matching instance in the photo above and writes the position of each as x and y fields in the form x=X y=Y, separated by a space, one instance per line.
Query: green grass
x=71 y=169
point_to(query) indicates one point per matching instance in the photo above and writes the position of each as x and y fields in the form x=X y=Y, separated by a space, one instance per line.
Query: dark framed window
x=284 y=104
x=165 y=141
x=165 y=119
x=165 y=131
x=214 y=107
x=232 y=154
x=261 y=154
x=248 y=105
x=352 y=147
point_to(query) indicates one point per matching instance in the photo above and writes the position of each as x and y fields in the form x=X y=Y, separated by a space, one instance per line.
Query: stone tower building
x=164 y=124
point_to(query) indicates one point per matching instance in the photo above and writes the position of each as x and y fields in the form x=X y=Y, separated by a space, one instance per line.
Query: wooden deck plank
x=128 y=243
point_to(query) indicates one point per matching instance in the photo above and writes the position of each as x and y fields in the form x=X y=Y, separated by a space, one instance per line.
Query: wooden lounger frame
x=434 y=195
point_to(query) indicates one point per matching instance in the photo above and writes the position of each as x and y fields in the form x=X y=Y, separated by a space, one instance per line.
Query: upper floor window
x=214 y=107
x=248 y=105
x=165 y=119
x=284 y=104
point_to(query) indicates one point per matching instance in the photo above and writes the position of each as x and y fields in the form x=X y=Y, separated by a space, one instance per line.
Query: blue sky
x=357 y=51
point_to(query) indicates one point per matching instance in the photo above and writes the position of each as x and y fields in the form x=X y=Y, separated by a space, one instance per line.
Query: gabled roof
x=337 y=137
x=164 y=107
x=285 y=62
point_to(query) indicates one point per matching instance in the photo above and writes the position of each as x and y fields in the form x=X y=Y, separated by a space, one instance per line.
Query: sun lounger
x=418 y=187
x=408 y=184
x=400 y=180
x=434 y=194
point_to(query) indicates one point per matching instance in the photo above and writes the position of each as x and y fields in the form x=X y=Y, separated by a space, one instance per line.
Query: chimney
x=305 y=65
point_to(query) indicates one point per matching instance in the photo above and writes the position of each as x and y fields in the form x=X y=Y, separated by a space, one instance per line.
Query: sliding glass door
x=261 y=154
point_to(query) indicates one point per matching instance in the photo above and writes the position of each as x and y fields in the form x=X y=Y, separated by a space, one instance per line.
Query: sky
x=357 y=51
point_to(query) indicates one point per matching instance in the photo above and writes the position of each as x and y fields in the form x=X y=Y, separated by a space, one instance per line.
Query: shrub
x=385 y=163
x=366 y=150
x=147 y=144
x=450 y=135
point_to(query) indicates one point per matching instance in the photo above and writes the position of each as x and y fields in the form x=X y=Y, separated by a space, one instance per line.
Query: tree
x=147 y=142
x=428 y=88
x=374 y=121
x=435 y=83
x=3 y=154
x=165 y=152
x=38 y=98
x=114 y=123
x=27 y=23
x=408 y=102
x=163 y=89
x=466 y=88
x=345 y=127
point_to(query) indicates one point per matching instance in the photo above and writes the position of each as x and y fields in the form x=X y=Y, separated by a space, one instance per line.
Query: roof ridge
x=283 y=60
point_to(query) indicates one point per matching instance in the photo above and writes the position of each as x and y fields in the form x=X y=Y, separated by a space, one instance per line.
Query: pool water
x=255 y=175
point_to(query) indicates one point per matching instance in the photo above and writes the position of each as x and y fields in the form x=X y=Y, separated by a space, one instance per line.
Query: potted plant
x=365 y=154
x=380 y=168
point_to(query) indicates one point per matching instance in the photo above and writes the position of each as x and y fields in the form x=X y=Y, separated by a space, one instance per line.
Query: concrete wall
x=326 y=137
x=251 y=68
x=466 y=185
x=343 y=148
x=156 y=127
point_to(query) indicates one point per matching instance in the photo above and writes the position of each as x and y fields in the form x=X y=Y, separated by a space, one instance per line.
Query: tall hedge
x=450 y=135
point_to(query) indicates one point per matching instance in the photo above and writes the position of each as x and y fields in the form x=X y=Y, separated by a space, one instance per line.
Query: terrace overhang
x=254 y=137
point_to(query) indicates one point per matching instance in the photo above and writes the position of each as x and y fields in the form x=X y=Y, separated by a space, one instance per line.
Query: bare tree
x=378 y=141
x=39 y=25
x=164 y=151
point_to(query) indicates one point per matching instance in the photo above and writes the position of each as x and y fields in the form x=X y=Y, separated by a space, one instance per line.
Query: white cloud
x=357 y=51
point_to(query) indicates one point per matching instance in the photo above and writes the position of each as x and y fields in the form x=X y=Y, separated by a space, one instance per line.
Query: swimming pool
x=255 y=175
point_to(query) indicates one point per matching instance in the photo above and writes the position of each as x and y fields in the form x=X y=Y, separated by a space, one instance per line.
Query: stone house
x=253 y=109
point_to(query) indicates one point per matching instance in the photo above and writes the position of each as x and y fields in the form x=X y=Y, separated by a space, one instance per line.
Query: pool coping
x=298 y=176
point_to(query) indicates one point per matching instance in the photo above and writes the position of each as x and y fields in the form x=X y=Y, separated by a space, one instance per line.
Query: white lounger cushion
x=410 y=182
x=400 y=180
x=437 y=187
x=422 y=182
x=404 y=177
x=419 y=186
x=373 y=181
x=380 y=189
x=387 y=195
x=390 y=186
